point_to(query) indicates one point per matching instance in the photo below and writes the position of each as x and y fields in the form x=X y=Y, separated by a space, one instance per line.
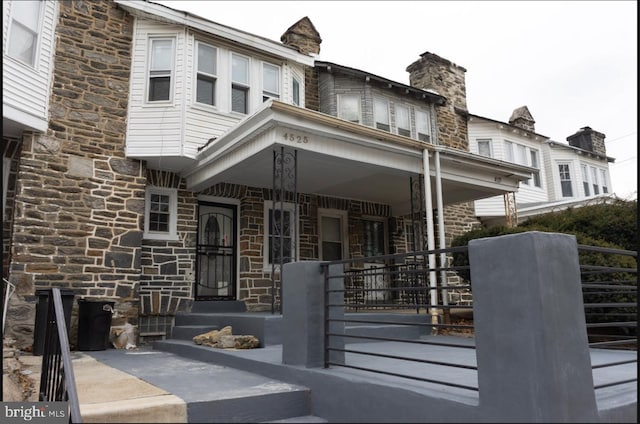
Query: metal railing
x=385 y=291
x=610 y=293
x=57 y=381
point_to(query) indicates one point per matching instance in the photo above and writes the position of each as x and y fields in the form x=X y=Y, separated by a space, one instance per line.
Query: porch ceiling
x=337 y=158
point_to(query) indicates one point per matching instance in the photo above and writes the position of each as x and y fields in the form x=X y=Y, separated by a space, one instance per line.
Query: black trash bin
x=42 y=311
x=94 y=324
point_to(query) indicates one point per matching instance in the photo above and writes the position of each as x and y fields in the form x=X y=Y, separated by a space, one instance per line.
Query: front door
x=216 y=259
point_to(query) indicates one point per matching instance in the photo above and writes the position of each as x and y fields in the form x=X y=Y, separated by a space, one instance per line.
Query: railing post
x=531 y=339
x=303 y=314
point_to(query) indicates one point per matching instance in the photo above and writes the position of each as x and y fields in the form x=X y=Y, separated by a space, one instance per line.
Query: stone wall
x=79 y=202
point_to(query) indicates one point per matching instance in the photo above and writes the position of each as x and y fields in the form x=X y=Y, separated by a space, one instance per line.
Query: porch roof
x=342 y=159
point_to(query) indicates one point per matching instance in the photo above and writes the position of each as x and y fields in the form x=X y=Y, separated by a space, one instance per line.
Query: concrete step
x=265 y=326
x=218 y=306
x=304 y=419
x=188 y=332
x=211 y=393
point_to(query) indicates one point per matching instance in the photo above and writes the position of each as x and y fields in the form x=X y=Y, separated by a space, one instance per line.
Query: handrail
x=57 y=383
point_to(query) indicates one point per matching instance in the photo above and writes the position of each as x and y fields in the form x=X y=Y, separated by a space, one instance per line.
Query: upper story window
x=423 y=126
x=349 y=107
x=594 y=180
x=585 y=180
x=508 y=151
x=239 y=83
x=160 y=69
x=484 y=147
x=381 y=114
x=295 y=91
x=270 y=81
x=403 y=123
x=161 y=212
x=523 y=155
x=23 y=34
x=535 y=163
x=565 y=179
x=207 y=74
x=603 y=180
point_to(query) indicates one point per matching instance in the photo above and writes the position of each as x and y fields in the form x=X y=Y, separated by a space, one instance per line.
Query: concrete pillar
x=531 y=339
x=303 y=314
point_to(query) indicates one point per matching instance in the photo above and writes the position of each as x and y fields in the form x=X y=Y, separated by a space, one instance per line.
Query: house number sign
x=295 y=138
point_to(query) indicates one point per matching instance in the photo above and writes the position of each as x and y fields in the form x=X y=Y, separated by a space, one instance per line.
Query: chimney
x=589 y=140
x=521 y=118
x=303 y=36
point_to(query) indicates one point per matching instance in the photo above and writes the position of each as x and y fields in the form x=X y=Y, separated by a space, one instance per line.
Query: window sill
x=167 y=237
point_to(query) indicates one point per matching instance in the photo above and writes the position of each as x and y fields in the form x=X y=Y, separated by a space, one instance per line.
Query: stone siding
x=79 y=202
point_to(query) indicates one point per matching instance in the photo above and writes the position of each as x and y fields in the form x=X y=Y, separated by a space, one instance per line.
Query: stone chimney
x=588 y=139
x=521 y=118
x=303 y=36
x=433 y=73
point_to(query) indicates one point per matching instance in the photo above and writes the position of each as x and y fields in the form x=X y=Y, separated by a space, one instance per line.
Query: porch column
x=530 y=329
x=442 y=244
x=433 y=297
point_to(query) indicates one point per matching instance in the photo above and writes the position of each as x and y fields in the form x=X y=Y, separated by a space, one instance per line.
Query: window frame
x=172 y=233
x=344 y=229
x=561 y=179
x=385 y=240
x=37 y=34
x=534 y=153
x=378 y=101
x=594 y=181
x=489 y=144
x=295 y=91
x=427 y=121
x=240 y=85
x=168 y=72
x=605 y=184
x=406 y=108
x=586 y=184
x=293 y=224
x=342 y=98
x=208 y=76
x=266 y=95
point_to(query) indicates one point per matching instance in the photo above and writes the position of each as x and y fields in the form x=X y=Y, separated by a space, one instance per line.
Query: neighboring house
x=185 y=160
x=566 y=175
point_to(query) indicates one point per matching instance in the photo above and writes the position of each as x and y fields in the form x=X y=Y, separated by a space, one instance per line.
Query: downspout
x=441 y=241
x=433 y=297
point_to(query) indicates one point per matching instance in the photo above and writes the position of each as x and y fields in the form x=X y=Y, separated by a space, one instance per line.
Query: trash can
x=94 y=324
x=42 y=311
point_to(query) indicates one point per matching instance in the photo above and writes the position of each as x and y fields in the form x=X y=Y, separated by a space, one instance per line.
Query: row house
x=181 y=160
x=566 y=174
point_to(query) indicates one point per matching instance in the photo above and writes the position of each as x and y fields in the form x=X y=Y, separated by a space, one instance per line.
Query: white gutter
x=433 y=296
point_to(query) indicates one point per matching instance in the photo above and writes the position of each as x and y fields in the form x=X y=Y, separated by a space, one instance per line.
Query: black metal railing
x=610 y=294
x=57 y=381
x=392 y=290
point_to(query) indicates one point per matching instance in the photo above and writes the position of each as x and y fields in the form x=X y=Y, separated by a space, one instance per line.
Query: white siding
x=26 y=89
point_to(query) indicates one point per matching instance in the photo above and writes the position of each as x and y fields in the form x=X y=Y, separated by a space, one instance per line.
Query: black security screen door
x=216 y=252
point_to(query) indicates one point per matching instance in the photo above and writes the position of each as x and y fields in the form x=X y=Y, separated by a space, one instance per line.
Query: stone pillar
x=303 y=314
x=531 y=338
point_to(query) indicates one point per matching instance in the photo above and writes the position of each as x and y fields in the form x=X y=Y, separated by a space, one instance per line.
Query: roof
x=507 y=124
x=331 y=67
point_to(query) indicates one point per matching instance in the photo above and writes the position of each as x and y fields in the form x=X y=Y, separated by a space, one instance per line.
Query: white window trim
x=268 y=94
x=572 y=180
x=358 y=102
x=489 y=143
x=586 y=180
x=605 y=182
x=246 y=85
x=429 y=132
x=344 y=217
x=408 y=109
x=172 y=234
x=296 y=78
x=509 y=152
x=375 y=122
x=36 y=54
x=216 y=77
x=291 y=208
x=172 y=74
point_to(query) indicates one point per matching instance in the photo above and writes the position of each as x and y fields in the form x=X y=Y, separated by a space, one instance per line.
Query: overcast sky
x=572 y=63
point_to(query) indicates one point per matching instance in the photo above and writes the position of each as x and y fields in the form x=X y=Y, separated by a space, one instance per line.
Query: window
x=23 y=35
x=585 y=180
x=565 y=180
x=239 y=84
x=207 y=71
x=508 y=151
x=594 y=180
x=484 y=147
x=423 y=126
x=160 y=68
x=279 y=222
x=522 y=154
x=296 y=91
x=603 y=180
x=374 y=237
x=161 y=210
x=270 y=82
x=381 y=114
x=333 y=234
x=535 y=163
x=349 y=107
x=403 y=124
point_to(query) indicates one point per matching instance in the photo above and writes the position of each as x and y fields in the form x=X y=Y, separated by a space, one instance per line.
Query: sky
x=572 y=63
